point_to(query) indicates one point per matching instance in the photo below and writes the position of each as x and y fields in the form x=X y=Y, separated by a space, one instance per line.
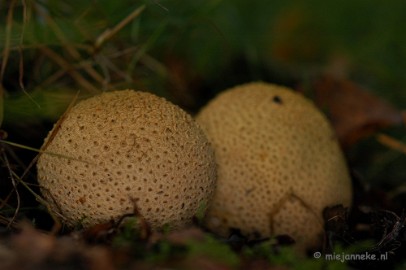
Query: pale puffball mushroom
x=123 y=149
x=279 y=164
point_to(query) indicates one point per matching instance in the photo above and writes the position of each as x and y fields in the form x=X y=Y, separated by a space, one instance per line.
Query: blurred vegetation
x=363 y=40
x=188 y=51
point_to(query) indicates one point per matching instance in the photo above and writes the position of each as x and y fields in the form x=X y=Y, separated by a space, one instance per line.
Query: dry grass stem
x=12 y=176
x=106 y=64
x=65 y=65
x=6 y=50
x=154 y=65
x=57 y=224
x=391 y=143
x=109 y=33
x=6 y=54
x=71 y=49
x=52 y=78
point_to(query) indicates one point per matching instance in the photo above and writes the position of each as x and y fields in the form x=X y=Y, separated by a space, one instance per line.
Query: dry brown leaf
x=353 y=111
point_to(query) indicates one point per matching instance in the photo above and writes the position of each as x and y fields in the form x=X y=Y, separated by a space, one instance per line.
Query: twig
x=14 y=183
x=54 y=215
x=51 y=136
x=8 y=222
x=57 y=224
x=52 y=78
x=37 y=150
x=141 y=52
x=154 y=65
x=60 y=121
x=71 y=49
x=68 y=68
x=109 y=33
x=49 y=140
x=391 y=143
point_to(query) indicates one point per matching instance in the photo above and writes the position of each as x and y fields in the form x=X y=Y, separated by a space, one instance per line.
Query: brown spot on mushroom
x=277 y=99
x=82 y=200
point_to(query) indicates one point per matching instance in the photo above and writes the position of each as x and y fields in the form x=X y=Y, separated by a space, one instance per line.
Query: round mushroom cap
x=279 y=164
x=126 y=150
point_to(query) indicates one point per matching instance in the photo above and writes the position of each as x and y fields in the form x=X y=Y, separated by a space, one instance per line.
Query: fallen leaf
x=354 y=111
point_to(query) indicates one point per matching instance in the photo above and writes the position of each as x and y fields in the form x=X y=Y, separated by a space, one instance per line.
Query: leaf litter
x=353 y=110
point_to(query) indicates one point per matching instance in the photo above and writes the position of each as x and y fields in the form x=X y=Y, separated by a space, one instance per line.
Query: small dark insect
x=277 y=100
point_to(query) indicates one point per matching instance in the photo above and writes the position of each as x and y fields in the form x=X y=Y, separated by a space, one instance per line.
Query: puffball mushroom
x=279 y=164
x=123 y=149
